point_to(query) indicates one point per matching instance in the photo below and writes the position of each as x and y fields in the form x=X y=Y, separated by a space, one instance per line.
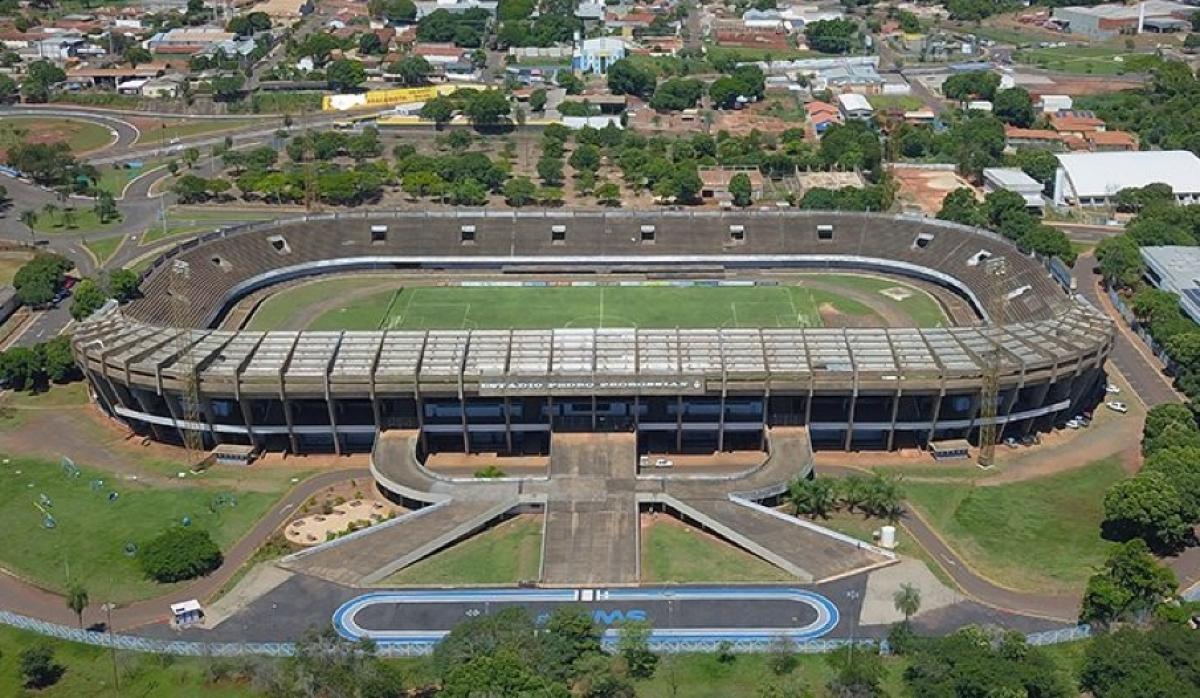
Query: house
x=715 y=182
x=822 y=115
x=596 y=55
x=1016 y=137
x=187 y=41
x=285 y=11
x=1110 y=141
x=440 y=54
x=1052 y=104
x=862 y=78
x=1015 y=180
x=1076 y=123
x=854 y=106
x=425 y=7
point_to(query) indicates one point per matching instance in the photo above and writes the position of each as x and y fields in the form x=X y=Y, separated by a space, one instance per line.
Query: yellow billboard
x=399 y=95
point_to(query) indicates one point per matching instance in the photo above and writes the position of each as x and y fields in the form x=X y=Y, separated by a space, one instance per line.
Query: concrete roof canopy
x=1104 y=174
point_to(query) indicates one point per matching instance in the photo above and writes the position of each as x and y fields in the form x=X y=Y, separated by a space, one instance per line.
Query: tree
x=411 y=70
x=537 y=100
x=550 y=170
x=40 y=278
x=28 y=219
x=1147 y=506
x=77 y=601
x=228 y=88
x=55 y=360
x=86 y=299
x=423 y=183
x=345 y=74
x=907 y=600
x=40 y=76
x=105 y=207
x=984 y=662
x=487 y=108
x=8 y=89
x=1120 y=261
x=1014 y=106
x=813 y=497
x=978 y=84
x=549 y=196
x=1131 y=662
x=1038 y=163
x=608 y=194
x=1131 y=583
x=38 y=667
x=370 y=44
x=676 y=94
x=135 y=55
x=633 y=644
x=123 y=284
x=831 y=35
x=519 y=191
x=179 y=553
x=439 y=110
x=628 y=78
x=585 y=157
x=960 y=206
x=740 y=190
x=857 y=674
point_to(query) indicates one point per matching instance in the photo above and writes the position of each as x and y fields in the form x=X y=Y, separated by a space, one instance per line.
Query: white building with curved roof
x=1092 y=179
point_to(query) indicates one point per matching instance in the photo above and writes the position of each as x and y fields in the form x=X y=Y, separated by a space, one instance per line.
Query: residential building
x=425 y=7
x=1092 y=179
x=822 y=115
x=855 y=106
x=715 y=182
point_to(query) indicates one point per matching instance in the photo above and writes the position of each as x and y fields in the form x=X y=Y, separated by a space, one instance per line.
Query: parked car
x=1011 y=442
x=1073 y=424
x=1117 y=406
x=1112 y=389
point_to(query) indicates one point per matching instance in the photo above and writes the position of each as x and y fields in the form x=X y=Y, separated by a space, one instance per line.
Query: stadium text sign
x=585 y=386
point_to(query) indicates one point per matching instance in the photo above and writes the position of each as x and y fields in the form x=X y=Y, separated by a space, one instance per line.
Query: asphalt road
x=1130 y=355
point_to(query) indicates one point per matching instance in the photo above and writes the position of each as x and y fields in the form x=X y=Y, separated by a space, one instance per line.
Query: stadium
x=690 y=372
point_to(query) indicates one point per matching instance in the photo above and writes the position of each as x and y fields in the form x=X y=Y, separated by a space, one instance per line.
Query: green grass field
x=453 y=307
x=80 y=136
x=114 y=179
x=1039 y=535
x=89 y=672
x=673 y=553
x=104 y=248
x=1088 y=60
x=177 y=128
x=88 y=541
x=508 y=553
x=10 y=262
x=85 y=220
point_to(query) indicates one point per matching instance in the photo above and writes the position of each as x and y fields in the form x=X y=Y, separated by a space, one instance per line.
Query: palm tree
x=907 y=600
x=50 y=210
x=69 y=217
x=28 y=219
x=77 y=601
x=814 y=498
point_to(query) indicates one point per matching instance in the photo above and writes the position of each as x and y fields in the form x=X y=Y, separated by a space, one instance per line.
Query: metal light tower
x=988 y=408
x=189 y=396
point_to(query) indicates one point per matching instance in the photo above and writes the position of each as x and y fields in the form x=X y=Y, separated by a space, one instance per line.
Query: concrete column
x=679 y=423
x=891 y=440
x=850 y=422
x=508 y=424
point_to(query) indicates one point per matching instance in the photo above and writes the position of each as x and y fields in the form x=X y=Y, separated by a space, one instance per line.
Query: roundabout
x=682 y=617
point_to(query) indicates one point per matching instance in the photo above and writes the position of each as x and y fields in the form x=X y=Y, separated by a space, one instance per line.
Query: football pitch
x=337 y=305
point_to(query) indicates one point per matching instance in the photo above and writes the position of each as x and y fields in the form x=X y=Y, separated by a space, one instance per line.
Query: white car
x=1072 y=424
x=1112 y=389
x=663 y=463
x=1117 y=407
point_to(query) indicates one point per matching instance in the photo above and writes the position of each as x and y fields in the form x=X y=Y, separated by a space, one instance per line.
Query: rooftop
x=1178 y=270
x=1104 y=174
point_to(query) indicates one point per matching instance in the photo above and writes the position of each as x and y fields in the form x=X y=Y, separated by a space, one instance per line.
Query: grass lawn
x=903 y=102
x=85 y=220
x=716 y=54
x=80 y=136
x=702 y=676
x=91 y=531
x=507 y=553
x=167 y=129
x=679 y=554
x=104 y=248
x=192 y=221
x=919 y=305
x=89 y=672
x=114 y=179
x=1088 y=60
x=10 y=262
x=1039 y=535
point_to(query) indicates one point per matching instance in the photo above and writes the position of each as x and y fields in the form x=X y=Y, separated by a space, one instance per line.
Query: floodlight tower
x=990 y=393
x=189 y=396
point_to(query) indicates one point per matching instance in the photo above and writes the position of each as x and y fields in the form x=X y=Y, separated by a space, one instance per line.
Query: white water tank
x=887 y=537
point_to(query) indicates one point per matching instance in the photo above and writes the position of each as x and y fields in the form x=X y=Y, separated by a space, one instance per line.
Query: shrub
x=179 y=553
x=38 y=667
